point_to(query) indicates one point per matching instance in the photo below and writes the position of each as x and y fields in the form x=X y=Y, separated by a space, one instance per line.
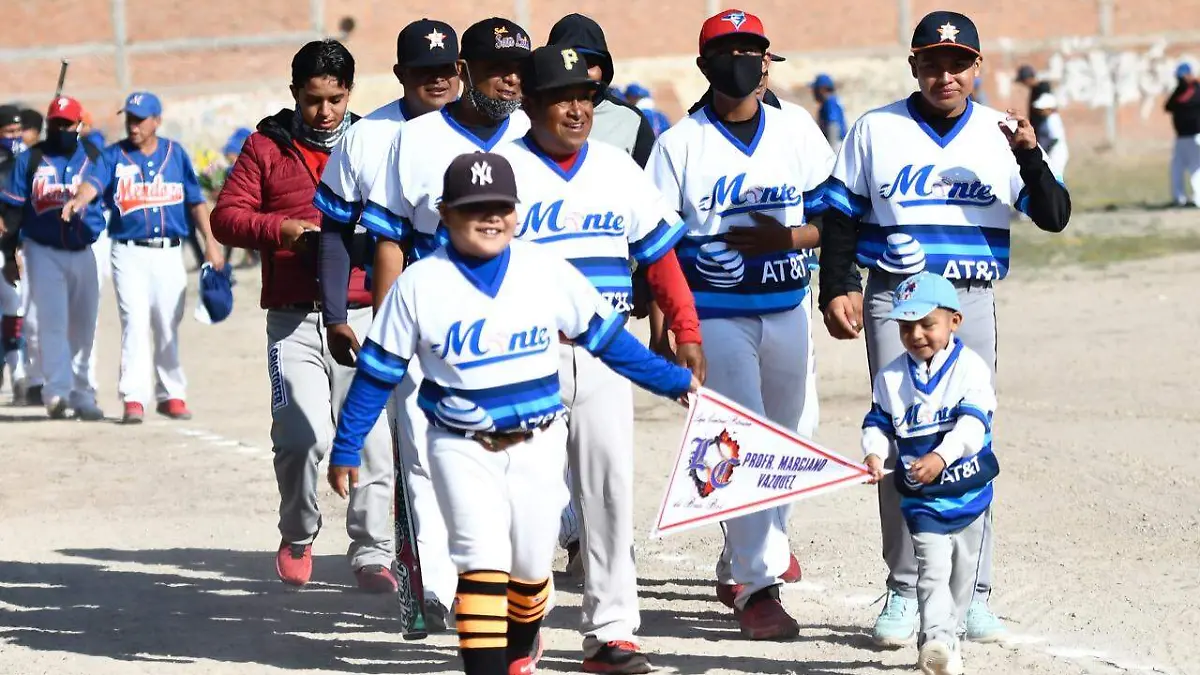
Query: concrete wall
x=224 y=63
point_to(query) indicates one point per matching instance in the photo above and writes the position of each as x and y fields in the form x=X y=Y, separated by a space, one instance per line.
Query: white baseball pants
x=438 y=573
x=65 y=287
x=501 y=508
x=947 y=572
x=1185 y=170
x=33 y=353
x=150 y=285
x=762 y=363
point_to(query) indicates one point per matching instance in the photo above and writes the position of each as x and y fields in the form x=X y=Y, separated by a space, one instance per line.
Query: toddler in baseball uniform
x=934 y=406
x=483 y=314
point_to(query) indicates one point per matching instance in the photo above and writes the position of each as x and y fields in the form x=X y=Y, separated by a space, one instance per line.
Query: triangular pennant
x=733 y=462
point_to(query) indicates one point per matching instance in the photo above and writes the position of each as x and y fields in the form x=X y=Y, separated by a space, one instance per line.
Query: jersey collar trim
x=490 y=290
x=403 y=106
x=942 y=141
x=935 y=379
x=549 y=161
x=748 y=149
x=486 y=146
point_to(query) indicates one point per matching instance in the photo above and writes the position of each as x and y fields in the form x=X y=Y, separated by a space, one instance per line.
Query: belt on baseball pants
x=315 y=306
x=161 y=242
x=499 y=441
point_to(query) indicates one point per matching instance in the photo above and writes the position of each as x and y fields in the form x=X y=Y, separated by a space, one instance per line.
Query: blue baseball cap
x=236 y=141
x=216 y=291
x=1183 y=69
x=142 y=104
x=822 y=80
x=919 y=295
x=635 y=89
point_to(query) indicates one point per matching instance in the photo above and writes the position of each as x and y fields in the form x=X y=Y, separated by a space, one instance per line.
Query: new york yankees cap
x=555 y=66
x=426 y=42
x=733 y=22
x=945 y=29
x=479 y=177
x=495 y=39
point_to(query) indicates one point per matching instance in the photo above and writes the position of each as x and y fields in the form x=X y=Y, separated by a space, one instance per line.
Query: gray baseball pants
x=307 y=391
x=948 y=568
x=978 y=331
x=600 y=457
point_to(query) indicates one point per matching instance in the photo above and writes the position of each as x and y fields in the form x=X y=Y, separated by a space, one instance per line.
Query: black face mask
x=62 y=141
x=736 y=76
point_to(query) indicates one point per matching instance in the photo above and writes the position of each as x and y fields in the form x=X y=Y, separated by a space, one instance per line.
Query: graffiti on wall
x=1084 y=74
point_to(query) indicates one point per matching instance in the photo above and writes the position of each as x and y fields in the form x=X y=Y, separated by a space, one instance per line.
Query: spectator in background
x=1184 y=106
x=831 y=118
x=640 y=97
x=233 y=148
x=1027 y=76
x=978 y=96
x=31 y=127
x=1051 y=134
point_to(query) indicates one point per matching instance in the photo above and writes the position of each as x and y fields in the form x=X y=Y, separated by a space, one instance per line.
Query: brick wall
x=223 y=63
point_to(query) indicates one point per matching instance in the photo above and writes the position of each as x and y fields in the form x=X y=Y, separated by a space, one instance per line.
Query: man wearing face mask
x=60 y=266
x=151 y=191
x=743 y=174
x=402 y=213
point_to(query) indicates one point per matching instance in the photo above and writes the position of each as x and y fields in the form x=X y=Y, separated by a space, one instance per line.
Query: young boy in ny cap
x=497 y=432
x=935 y=403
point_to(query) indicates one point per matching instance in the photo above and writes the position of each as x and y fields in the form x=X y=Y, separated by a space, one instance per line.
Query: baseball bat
x=62 y=78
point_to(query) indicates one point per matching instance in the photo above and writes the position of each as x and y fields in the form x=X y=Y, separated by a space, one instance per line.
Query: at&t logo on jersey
x=134 y=195
x=721 y=266
x=919 y=187
x=730 y=196
x=48 y=194
x=555 y=220
x=476 y=346
x=463 y=414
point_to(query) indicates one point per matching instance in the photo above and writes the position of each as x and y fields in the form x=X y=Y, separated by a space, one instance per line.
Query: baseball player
x=402 y=211
x=496 y=434
x=151 y=191
x=935 y=403
x=742 y=174
x=593 y=205
x=830 y=115
x=59 y=264
x=937 y=173
x=12 y=341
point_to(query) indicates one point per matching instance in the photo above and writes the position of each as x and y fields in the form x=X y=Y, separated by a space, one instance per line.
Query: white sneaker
x=57 y=408
x=89 y=413
x=939 y=658
x=20 y=389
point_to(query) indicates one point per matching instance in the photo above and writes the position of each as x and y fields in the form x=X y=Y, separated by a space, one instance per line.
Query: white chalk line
x=218 y=441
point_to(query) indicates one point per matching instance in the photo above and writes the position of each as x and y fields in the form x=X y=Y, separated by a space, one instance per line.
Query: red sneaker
x=293 y=563
x=766 y=619
x=174 y=408
x=134 y=412
x=522 y=666
x=727 y=593
x=792 y=575
x=375 y=579
x=622 y=657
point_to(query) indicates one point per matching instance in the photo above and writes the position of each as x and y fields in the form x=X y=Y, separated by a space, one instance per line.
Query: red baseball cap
x=732 y=22
x=65 y=108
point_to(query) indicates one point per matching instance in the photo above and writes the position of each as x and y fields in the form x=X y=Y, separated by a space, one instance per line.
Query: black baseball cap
x=31 y=119
x=555 y=66
x=426 y=42
x=478 y=177
x=495 y=39
x=9 y=114
x=945 y=29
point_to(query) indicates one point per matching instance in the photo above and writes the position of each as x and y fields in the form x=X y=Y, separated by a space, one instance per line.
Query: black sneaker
x=618 y=657
x=438 y=619
x=33 y=396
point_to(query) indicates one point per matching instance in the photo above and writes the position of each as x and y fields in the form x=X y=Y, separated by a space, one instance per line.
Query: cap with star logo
x=733 y=22
x=945 y=29
x=495 y=39
x=426 y=43
x=478 y=177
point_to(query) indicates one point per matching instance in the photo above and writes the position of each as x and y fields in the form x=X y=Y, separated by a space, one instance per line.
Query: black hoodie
x=615 y=122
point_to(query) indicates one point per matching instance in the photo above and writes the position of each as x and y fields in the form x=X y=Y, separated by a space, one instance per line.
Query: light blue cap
x=919 y=295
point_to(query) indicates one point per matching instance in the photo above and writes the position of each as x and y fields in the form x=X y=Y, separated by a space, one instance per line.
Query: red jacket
x=270 y=183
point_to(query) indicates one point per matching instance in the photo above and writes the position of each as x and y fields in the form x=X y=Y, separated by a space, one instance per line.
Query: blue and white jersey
x=916 y=405
x=716 y=182
x=597 y=215
x=147 y=195
x=404 y=195
x=355 y=161
x=489 y=356
x=951 y=193
x=55 y=181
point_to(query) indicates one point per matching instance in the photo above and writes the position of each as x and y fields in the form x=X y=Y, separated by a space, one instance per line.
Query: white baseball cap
x=1045 y=102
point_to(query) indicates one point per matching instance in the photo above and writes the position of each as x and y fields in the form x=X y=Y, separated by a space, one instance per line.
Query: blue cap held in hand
x=216 y=291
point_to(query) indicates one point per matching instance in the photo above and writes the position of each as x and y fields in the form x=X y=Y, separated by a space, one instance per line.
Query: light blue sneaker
x=982 y=624
x=897 y=623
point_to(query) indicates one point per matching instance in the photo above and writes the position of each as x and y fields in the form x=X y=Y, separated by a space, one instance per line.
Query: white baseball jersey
x=597 y=215
x=716 y=182
x=490 y=357
x=355 y=161
x=404 y=196
x=951 y=193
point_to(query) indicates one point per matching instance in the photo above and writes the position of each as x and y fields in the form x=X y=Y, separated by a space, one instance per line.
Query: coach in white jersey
x=592 y=204
x=737 y=163
x=929 y=182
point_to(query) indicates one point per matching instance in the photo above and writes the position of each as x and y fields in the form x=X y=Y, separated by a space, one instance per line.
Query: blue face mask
x=14 y=146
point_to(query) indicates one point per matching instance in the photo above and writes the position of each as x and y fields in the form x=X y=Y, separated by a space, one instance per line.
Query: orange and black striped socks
x=526 y=607
x=483 y=624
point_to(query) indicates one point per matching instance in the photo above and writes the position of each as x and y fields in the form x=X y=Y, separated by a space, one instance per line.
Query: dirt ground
x=149 y=549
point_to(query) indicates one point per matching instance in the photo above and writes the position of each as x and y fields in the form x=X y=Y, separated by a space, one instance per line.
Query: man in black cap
x=31 y=126
x=928 y=183
x=1028 y=76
